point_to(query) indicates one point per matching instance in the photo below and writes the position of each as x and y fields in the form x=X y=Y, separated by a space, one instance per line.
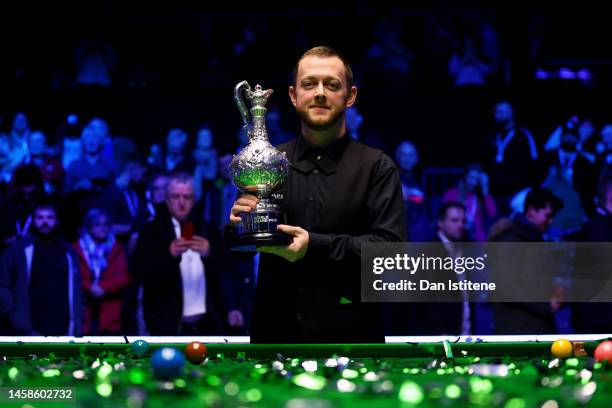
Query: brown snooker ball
x=196 y=352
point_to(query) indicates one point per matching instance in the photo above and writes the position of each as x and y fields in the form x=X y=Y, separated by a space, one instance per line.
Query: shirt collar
x=326 y=158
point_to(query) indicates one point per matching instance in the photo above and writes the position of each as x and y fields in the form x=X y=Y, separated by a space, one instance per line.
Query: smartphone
x=187 y=230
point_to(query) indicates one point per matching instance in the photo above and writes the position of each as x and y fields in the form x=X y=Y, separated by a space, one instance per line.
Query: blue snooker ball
x=140 y=348
x=167 y=363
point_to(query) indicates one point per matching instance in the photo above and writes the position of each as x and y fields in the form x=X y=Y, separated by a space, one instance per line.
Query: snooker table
x=501 y=371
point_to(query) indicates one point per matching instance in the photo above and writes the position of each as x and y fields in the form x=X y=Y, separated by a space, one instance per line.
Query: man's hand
x=245 y=203
x=96 y=291
x=235 y=318
x=199 y=245
x=294 y=251
x=178 y=246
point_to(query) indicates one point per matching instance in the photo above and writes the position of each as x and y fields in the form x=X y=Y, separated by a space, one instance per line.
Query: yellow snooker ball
x=562 y=348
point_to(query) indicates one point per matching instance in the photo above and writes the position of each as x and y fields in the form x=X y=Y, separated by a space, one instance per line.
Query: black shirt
x=48 y=290
x=344 y=195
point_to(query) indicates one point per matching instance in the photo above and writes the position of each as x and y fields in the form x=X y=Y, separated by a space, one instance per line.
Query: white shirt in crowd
x=194 y=281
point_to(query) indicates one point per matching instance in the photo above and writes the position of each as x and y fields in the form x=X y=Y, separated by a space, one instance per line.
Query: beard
x=319 y=126
x=45 y=232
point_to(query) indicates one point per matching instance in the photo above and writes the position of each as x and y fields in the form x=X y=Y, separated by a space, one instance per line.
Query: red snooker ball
x=195 y=352
x=603 y=352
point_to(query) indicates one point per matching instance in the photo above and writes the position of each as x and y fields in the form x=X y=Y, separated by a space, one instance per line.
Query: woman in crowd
x=104 y=272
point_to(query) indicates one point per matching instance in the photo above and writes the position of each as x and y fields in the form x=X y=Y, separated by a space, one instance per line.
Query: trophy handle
x=246 y=117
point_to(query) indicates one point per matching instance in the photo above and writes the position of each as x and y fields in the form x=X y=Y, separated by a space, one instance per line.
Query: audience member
x=104 y=274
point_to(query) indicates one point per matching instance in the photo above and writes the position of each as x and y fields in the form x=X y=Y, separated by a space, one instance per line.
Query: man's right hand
x=245 y=203
x=178 y=246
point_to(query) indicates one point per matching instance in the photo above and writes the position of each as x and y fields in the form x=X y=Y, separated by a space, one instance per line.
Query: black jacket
x=344 y=195
x=160 y=276
x=522 y=317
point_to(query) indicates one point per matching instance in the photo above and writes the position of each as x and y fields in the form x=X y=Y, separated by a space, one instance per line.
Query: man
x=596 y=317
x=180 y=289
x=448 y=318
x=122 y=198
x=50 y=168
x=340 y=194
x=541 y=205
x=40 y=285
x=513 y=164
x=176 y=156
x=18 y=207
x=418 y=227
x=91 y=172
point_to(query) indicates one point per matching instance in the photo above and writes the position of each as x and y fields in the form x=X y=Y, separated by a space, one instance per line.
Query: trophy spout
x=244 y=111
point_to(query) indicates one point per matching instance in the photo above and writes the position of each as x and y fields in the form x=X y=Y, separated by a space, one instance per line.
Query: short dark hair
x=324 y=51
x=46 y=203
x=447 y=206
x=539 y=198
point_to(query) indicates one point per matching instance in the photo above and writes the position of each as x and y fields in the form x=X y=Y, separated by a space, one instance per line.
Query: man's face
x=99 y=127
x=158 y=190
x=541 y=218
x=407 y=157
x=27 y=194
x=503 y=112
x=36 y=143
x=205 y=138
x=176 y=142
x=472 y=179
x=180 y=199
x=20 y=122
x=45 y=220
x=321 y=92
x=100 y=229
x=91 y=142
x=453 y=225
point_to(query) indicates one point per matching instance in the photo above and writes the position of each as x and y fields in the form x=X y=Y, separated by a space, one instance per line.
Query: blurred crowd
x=87 y=219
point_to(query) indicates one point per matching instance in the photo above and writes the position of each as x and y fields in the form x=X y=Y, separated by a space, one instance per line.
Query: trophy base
x=250 y=242
x=258 y=227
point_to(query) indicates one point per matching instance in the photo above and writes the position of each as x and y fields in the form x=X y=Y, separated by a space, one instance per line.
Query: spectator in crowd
x=417 y=224
x=18 y=141
x=569 y=219
x=100 y=128
x=122 y=198
x=19 y=134
x=514 y=163
x=177 y=159
x=473 y=193
x=604 y=151
x=6 y=163
x=104 y=274
x=95 y=59
x=50 y=168
x=91 y=172
x=40 y=283
x=205 y=156
x=575 y=165
x=596 y=317
x=156 y=194
x=70 y=141
x=467 y=68
x=437 y=318
x=541 y=205
x=17 y=209
x=181 y=294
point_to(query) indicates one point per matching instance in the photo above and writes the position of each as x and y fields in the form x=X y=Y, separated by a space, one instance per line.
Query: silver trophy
x=259 y=169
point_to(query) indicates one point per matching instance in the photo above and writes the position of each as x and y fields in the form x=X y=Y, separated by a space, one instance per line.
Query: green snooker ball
x=140 y=348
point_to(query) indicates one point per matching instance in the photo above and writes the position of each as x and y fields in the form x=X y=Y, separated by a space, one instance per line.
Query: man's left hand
x=200 y=245
x=294 y=251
